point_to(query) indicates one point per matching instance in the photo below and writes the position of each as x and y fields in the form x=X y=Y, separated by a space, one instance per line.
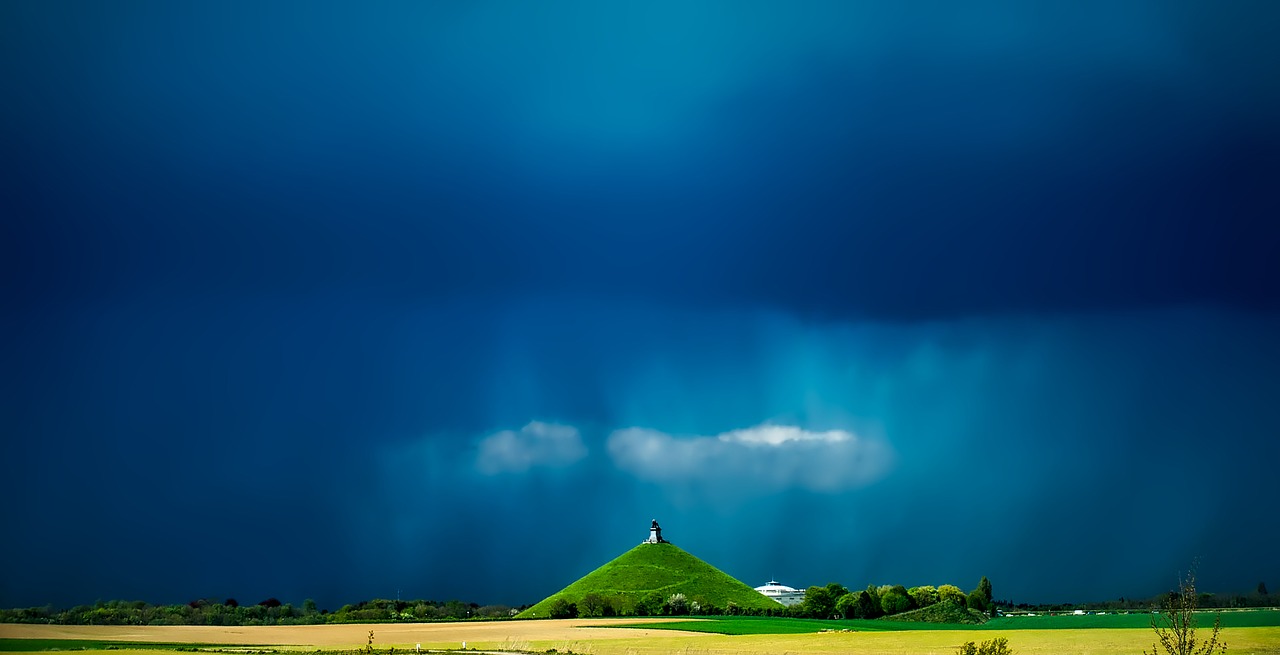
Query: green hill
x=944 y=612
x=660 y=569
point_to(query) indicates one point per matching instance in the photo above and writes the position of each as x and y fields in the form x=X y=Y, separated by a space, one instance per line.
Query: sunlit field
x=598 y=637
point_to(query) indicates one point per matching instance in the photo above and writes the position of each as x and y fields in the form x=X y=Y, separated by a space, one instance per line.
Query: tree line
x=267 y=612
x=831 y=601
x=834 y=600
x=1259 y=598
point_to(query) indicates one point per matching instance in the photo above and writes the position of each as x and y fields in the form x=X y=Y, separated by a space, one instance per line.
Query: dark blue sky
x=317 y=300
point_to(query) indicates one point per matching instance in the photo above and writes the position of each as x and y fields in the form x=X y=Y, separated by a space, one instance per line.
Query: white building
x=781 y=593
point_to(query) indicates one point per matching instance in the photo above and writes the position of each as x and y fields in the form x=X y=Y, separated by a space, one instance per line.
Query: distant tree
x=984 y=588
x=847 y=605
x=818 y=603
x=676 y=605
x=976 y=601
x=895 y=602
x=231 y=602
x=951 y=593
x=592 y=605
x=455 y=609
x=731 y=609
x=309 y=606
x=648 y=605
x=1175 y=624
x=836 y=590
x=866 y=607
x=924 y=596
x=495 y=611
x=1262 y=589
x=270 y=602
x=873 y=595
x=563 y=609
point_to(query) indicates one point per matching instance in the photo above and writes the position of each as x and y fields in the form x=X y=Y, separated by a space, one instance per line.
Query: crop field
x=612 y=637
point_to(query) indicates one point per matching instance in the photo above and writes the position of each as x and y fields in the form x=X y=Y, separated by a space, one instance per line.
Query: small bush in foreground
x=997 y=646
x=1175 y=623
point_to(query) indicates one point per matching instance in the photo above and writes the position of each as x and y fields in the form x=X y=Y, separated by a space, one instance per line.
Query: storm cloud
x=454 y=299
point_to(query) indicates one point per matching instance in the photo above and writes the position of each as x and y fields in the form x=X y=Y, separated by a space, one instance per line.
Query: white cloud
x=536 y=444
x=764 y=458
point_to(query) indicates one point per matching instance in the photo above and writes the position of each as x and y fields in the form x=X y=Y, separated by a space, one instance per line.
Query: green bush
x=997 y=646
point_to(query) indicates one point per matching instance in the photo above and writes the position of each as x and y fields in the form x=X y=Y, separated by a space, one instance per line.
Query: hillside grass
x=662 y=569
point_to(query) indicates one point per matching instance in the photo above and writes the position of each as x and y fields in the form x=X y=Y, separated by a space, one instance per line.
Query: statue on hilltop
x=655 y=534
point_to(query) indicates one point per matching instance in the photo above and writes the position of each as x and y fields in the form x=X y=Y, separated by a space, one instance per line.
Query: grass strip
x=752 y=625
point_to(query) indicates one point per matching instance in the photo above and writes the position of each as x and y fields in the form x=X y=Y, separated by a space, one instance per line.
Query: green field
x=750 y=625
x=661 y=569
x=1230 y=619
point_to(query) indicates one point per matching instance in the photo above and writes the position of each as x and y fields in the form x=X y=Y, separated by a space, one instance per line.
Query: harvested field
x=597 y=637
x=400 y=635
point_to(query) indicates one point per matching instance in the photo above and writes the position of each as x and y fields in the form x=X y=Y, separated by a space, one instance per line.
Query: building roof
x=775 y=586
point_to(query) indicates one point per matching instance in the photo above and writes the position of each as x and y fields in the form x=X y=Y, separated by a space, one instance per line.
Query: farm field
x=607 y=637
x=347 y=636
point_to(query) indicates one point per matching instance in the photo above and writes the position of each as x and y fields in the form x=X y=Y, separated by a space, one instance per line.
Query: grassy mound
x=661 y=569
x=944 y=612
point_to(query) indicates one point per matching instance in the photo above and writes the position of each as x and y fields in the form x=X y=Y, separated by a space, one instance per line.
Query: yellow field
x=595 y=636
x=400 y=635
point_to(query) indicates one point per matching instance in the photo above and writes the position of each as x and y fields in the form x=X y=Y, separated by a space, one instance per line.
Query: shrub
x=997 y=646
x=1175 y=625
